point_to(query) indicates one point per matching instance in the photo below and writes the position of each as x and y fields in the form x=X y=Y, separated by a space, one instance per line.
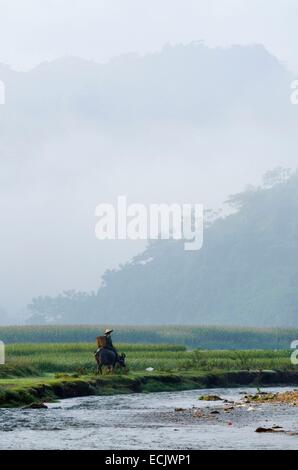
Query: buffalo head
x=121 y=360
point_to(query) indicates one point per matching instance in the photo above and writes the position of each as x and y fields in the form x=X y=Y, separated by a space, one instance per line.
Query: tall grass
x=34 y=359
x=191 y=336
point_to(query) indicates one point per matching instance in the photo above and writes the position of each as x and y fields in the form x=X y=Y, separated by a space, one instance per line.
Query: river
x=175 y=420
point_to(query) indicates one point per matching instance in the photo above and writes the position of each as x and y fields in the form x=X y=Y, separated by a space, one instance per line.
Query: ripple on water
x=147 y=421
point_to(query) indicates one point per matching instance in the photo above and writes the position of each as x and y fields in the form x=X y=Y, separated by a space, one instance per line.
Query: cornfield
x=192 y=337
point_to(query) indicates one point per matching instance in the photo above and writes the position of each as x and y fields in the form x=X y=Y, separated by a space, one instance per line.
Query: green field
x=77 y=358
x=51 y=371
x=193 y=337
x=37 y=350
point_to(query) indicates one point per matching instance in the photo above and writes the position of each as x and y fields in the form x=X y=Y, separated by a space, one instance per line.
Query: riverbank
x=27 y=391
x=281 y=398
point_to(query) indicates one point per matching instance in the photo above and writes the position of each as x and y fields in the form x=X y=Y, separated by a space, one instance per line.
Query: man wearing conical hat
x=109 y=342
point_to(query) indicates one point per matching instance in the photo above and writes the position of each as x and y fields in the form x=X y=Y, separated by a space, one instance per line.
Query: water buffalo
x=107 y=357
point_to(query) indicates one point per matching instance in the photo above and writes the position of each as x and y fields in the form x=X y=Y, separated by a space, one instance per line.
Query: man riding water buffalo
x=106 y=354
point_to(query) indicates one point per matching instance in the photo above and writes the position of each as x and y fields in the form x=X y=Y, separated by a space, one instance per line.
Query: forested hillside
x=246 y=273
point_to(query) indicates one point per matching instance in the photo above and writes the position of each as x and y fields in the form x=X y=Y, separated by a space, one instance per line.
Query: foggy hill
x=246 y=273
x=192 y=83
x=189 y=123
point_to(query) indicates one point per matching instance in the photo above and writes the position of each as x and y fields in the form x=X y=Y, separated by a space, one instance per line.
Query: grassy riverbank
x=45 y=372
x=21 y=392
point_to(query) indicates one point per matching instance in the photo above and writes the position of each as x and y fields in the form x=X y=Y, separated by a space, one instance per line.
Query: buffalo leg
x=99 y=368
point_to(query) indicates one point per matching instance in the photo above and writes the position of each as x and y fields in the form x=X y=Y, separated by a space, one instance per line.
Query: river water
x=176 y=420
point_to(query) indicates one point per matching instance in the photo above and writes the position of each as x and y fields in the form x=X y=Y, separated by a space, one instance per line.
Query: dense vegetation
x=37 y=359
x=246 y=273
x=190 y=336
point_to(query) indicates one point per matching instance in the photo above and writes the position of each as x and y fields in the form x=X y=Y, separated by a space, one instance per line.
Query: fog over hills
x=245 y=274
x=190 y=123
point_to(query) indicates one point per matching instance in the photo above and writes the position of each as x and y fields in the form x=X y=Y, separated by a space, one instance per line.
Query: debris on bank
x=289 y=398
x=210 y=398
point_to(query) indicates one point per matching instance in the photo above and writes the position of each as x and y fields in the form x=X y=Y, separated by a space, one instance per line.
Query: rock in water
x=265 y=430
x=36 y=406
x=210 y=398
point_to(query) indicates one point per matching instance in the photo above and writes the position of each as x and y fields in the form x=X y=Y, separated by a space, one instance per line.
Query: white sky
x=32 y=31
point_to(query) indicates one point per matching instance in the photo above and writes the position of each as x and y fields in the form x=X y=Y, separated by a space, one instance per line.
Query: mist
x=190 y=122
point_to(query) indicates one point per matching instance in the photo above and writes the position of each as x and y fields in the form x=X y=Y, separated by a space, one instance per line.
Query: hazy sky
x=32 y=31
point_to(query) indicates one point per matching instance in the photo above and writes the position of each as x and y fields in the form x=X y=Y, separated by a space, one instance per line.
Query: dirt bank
x=20 y=392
